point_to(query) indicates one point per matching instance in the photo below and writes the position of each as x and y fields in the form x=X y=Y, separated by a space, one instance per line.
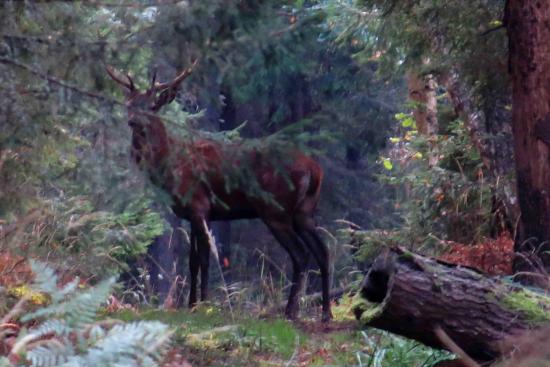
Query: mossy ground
x=210 y=336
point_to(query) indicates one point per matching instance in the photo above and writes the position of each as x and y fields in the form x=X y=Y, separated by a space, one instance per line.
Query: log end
x=371 y=300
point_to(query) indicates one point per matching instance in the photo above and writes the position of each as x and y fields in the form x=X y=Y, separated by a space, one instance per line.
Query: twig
x=334 y=294
x=264 y=256
x=453 y=347
x=350 y=224
x=14 y=312
x=61 y=83
x=12 y=268
x=490 y=30
x=130 y=4
x=49 y=41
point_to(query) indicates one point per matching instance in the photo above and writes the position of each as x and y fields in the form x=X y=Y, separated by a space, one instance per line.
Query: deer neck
x=151 y=149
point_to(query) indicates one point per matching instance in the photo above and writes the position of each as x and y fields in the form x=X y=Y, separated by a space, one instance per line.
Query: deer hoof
x=327 y=316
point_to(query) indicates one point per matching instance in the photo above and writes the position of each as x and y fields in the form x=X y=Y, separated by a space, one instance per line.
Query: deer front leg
x=194 y=263
x=200 y=230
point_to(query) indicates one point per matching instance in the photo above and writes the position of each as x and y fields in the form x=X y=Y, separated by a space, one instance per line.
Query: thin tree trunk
x=528 y=23
x=422 y=93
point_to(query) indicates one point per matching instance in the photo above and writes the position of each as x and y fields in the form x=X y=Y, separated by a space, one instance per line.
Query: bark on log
x=412 y=296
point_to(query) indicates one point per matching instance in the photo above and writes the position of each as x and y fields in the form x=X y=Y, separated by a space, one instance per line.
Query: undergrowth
x=207 y=336
x=62 y=329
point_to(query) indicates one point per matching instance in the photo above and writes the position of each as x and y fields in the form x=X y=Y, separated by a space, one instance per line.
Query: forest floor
x=213 y=335
x=209 y=336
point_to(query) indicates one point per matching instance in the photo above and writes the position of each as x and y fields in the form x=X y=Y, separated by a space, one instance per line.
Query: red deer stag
x=195 y=175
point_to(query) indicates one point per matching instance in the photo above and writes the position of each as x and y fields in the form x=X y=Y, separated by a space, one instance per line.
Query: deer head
x=156 y=96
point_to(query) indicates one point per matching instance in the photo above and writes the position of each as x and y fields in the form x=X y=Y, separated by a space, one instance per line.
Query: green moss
x=343 y=310
x=366 y=309
x=533 y=306
x=407 y=254
x=211 y=331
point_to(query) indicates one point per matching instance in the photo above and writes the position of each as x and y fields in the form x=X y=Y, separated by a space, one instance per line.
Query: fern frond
x=52 y=353
x=125 y=344
x=53 y=326
x=45 y=277
x=79 y=309
x=70 y=335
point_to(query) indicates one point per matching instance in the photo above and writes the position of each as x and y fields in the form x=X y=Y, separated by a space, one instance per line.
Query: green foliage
x=449 y=200
x=387 y=350
x=440 y=192
x=444 y=39
x=66 y=333
x=64 y=181
x=106 y=234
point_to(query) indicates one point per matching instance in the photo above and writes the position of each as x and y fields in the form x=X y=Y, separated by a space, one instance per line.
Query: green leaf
x=408 y=122
x=401 y=116
x=387 y=164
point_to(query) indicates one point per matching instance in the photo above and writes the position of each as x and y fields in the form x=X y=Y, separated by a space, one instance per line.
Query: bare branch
x=56 y=81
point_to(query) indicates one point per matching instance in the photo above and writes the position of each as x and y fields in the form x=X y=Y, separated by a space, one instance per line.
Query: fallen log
x=419 y=298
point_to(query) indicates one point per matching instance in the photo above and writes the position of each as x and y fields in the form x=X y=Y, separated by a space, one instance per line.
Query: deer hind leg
x=285 y=235
x=304 y=225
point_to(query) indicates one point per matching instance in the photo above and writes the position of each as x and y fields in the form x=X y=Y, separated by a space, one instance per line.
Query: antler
x=129 y=84
x=178 y=79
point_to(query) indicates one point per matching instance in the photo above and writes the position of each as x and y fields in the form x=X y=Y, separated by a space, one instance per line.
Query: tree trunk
x=528 y=23
x=495 y=157
x=422 y=93
x=422 y=299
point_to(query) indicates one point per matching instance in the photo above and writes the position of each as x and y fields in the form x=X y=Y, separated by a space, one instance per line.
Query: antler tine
x=113 y=74
x=178 y=79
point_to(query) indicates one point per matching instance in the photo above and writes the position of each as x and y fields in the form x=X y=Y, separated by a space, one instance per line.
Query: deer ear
x=165 y=97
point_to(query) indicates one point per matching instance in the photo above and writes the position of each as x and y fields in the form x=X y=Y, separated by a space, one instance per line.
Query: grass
x=208 y=336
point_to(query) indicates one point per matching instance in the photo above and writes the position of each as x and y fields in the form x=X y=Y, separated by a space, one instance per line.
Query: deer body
x=201 y=177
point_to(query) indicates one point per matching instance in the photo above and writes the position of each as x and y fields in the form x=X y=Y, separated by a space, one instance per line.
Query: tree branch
x=59 y=82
